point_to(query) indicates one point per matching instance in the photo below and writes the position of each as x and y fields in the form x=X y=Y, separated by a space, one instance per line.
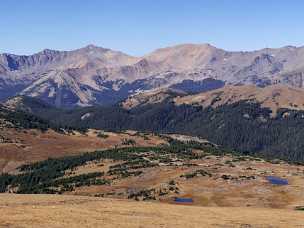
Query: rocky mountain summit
x=94 y=75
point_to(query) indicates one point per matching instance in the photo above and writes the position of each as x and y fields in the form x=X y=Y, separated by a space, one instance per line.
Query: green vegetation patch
x=102 y=135
x=48 y=176
x=299 y=208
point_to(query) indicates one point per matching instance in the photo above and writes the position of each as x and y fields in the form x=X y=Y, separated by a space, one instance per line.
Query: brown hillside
x=23 y=146
x=273 y=97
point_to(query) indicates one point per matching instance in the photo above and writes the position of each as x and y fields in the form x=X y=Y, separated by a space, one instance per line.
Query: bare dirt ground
x=77 y=211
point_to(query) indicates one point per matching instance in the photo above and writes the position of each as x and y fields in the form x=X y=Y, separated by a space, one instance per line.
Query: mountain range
x=94 y=75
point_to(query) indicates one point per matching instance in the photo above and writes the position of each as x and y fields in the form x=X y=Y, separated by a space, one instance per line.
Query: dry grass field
x=211 y=181
x=232 y=183
x=227 y=190
x=77 y=211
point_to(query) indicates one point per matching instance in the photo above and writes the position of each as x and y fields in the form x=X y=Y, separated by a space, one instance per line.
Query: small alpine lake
x=277 y=180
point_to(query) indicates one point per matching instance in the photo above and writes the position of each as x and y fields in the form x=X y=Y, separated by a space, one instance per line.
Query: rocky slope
x=94 y=75
x=151 y=97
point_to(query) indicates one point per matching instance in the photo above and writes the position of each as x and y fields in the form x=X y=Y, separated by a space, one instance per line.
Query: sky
x=137 y=27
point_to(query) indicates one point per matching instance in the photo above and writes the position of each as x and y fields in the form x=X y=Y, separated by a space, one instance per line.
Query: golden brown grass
x=76 y=211
x=273 y=97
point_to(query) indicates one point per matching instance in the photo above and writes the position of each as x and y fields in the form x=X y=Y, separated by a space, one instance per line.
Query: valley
x=133 y=185
x=152 y=114
x=264 y=122
x=161 y=172
x=50 y=162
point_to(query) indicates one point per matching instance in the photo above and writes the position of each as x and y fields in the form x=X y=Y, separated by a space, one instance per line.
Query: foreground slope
x=75 y=211
x=203 y=172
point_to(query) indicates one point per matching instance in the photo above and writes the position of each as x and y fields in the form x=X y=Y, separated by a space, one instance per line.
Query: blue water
x=277 y=180
x=183 y=200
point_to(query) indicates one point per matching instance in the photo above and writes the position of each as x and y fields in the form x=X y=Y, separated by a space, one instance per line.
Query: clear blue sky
x=139 y=26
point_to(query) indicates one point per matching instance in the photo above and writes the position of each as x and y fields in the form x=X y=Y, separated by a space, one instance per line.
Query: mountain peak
x=96 y=74
x=48 y=51
x=91 y=46
x=188 y=46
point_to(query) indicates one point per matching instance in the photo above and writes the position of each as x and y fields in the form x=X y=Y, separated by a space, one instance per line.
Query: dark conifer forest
x=244 y=126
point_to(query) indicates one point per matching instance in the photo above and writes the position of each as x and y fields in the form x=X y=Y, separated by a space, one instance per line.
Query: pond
x=277 y=180
x=183 y=200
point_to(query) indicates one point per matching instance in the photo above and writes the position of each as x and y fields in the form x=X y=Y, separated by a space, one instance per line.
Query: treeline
x=21 y=119
x=244 y=126
x=49 y=176
x=43 y=177
x=24 y=120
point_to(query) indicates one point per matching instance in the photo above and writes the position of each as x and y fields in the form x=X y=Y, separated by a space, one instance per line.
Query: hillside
x=25 y=137
x=19 y=147
x=107 y=172
x=52 y=211
x=265 y=122
x=21 y=119
x=274 y=97
x=151 y=97
x=162 y=173
x=94 y=75
x=219 y=183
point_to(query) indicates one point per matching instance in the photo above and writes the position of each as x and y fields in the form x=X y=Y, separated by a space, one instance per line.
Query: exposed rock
x=95 y=75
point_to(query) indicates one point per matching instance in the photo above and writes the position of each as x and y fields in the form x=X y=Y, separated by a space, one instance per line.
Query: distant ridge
x=95 y=75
